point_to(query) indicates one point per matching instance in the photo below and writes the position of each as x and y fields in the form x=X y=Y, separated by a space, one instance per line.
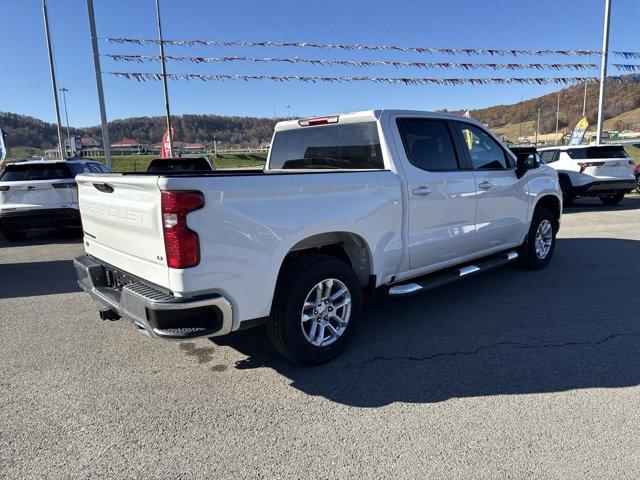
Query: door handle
x=422 y=191
x=30 y=187
x=485 y=185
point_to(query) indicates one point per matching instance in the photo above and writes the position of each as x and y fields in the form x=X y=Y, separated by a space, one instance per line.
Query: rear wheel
x=612 y=199
x=316 y=309
x=568 y=196
x=537 y=250
x=14 y=235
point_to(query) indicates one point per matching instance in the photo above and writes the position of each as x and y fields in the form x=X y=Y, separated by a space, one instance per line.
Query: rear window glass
x=45 y=171
x=597 y=152
x=179 y=165
x=350 y=146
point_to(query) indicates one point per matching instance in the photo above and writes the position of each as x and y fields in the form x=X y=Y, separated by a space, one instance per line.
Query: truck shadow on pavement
x=37 y=278
x=630 y=202
x=574 y=325
x=44 y=237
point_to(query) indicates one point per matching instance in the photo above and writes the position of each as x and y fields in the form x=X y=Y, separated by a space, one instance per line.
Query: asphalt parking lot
x=513 y=374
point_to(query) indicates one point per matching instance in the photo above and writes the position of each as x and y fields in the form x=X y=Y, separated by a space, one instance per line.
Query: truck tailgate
x=122 y=223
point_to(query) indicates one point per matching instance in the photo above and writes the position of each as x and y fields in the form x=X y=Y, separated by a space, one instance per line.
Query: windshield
x=597 y=152
x=351 y=146
x=44 y=171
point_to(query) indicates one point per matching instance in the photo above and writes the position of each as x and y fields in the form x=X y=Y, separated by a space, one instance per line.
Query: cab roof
x=370 y=116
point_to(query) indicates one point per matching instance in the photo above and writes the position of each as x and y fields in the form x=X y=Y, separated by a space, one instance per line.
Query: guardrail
x=241 y=151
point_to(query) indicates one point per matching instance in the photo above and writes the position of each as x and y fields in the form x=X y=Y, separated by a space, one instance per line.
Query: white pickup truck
x=394 y=201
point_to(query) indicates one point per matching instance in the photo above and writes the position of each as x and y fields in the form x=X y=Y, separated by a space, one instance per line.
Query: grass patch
x=634 y=152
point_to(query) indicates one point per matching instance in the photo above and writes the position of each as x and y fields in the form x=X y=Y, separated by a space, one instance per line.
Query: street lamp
x=64 y=91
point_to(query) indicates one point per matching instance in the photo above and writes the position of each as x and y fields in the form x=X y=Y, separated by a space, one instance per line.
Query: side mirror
x=526 y=161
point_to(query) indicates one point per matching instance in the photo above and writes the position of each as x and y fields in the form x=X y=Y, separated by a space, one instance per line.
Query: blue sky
x=25 y=85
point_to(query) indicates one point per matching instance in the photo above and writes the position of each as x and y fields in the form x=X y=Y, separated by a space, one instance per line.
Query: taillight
x=584 y=165
x=311 y=122
x=65 y=185
x=181 y=244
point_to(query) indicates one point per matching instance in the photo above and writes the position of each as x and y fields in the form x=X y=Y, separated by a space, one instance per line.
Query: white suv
x=604 y=171
x=41 y=194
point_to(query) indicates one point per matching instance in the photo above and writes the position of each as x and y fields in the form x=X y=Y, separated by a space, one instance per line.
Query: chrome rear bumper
x=155 y=312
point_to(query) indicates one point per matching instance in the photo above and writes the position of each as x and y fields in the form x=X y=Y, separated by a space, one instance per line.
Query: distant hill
x=27 y=131
x=621 y=99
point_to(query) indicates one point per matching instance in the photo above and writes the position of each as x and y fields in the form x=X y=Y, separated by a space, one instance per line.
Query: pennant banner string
x=142 y=77
x=370 y=63
x=448 y=51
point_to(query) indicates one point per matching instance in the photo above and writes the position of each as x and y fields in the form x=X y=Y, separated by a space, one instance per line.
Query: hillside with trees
x=621 y=97
x=27 y=131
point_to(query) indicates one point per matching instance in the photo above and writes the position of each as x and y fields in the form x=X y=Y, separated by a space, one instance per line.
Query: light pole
x=603 y=68
x=586 y=82
x=54 y=83
x=164 y=79
x=96 y=65
x=64 y=91
x=557 y=117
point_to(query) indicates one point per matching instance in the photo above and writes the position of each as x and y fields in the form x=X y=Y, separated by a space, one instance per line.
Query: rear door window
x=594 y=153
x=349 y=146
x=428 y=144
x=32 y=172
x=78 y=168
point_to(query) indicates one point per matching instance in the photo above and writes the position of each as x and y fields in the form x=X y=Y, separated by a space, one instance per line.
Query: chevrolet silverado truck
x=387 y=201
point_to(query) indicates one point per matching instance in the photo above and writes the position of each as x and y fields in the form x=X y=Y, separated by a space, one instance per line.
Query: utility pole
x=54 y=83
x=557 y=117
x=96 y=64
x=586 y=82
x=164 y=79
x=603 y=68
x=521 y=102
x=538 y=128
x=64 y=91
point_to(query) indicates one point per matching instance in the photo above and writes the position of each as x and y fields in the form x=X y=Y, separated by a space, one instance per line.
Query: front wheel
x=538 y=247
x=638 y=184
x=316 y=309
x=612 y=199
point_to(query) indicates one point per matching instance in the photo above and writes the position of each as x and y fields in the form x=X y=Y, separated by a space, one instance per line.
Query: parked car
x=603 y=171
x=166 y=165
x=391 y=201
x=41 y=194
x=636 y=172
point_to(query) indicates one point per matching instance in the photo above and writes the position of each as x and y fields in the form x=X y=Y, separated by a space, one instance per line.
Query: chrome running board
x=437 y=279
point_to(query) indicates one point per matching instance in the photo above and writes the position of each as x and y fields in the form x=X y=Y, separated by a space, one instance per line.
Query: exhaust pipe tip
x=109 y=314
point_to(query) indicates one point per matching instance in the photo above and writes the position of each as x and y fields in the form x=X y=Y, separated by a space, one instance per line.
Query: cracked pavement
x=510 y=374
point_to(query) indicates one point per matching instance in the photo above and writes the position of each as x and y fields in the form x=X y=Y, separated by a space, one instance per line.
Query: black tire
x=529 y=257
x=14 y=235
x=297 y=280
x=568 y=195
x=638 y=184
x=612 y=199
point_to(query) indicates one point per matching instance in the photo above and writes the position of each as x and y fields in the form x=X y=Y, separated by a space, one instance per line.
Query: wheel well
x=348 y=247
x=563 y=177
x=551 y=203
